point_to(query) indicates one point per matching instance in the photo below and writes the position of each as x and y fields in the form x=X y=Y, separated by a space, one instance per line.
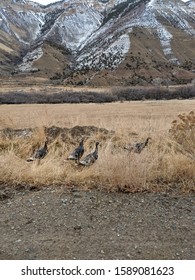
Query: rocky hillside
x=105 y=42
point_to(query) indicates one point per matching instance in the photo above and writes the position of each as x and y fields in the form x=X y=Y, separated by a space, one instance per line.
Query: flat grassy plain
x=142 y=116
x=167 y=163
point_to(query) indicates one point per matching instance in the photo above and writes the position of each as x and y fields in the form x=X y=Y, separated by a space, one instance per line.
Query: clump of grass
x=183 y=133
x=155 y=169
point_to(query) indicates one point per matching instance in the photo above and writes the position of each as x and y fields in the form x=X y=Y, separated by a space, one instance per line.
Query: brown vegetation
x=165 y=164
x=93 y=96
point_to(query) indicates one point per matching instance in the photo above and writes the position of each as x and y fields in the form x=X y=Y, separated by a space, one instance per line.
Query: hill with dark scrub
x=98 y=43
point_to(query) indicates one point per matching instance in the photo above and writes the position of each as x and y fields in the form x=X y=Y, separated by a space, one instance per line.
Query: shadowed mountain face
x=110 y=42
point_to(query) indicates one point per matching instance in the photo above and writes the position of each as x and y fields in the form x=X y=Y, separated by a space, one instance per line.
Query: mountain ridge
x=129 y=42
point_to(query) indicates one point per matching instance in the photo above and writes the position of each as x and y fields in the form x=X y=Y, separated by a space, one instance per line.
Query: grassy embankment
x=167 y=163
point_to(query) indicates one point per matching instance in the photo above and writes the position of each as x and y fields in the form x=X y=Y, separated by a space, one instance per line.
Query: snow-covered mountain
x=89 y=39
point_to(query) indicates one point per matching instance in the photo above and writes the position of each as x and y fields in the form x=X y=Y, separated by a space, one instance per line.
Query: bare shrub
x=56 y=98
x=155 y=93
x=183 y=132
x=117 y=94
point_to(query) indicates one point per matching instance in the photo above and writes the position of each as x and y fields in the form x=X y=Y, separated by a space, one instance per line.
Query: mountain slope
x=95 y=42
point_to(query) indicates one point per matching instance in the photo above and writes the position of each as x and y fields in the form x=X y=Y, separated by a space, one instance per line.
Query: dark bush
x=65 y=97
x=119 y=94
x=155 y=93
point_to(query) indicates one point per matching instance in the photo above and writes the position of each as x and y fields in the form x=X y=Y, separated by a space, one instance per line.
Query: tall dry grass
x=166 y=163
x=183 y=132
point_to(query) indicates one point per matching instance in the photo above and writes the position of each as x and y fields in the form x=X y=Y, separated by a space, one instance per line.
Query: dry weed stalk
x=183 y=133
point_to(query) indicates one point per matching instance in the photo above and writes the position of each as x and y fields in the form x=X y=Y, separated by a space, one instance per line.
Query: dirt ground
x=66 y=223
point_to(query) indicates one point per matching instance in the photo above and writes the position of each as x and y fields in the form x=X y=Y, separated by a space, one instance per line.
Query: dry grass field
x=167 y=163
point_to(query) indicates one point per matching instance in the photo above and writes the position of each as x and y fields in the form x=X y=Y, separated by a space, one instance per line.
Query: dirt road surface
x=63 y=223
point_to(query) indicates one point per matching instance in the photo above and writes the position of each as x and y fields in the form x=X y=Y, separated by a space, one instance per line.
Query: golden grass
x=138 y=115
x=167 y=163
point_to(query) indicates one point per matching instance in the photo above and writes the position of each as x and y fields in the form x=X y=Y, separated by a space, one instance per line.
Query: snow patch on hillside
x=108 y=58
x=28 y=60
x=148 y=20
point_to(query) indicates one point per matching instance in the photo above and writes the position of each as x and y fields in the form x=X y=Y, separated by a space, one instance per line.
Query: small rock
x=77 y=227
x=18 y=241
x=64 y=200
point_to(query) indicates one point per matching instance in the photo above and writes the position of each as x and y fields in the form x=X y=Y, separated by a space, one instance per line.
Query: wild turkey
x=90 y=158
x=77 y=153
x=138 y=147
x=40 y=153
